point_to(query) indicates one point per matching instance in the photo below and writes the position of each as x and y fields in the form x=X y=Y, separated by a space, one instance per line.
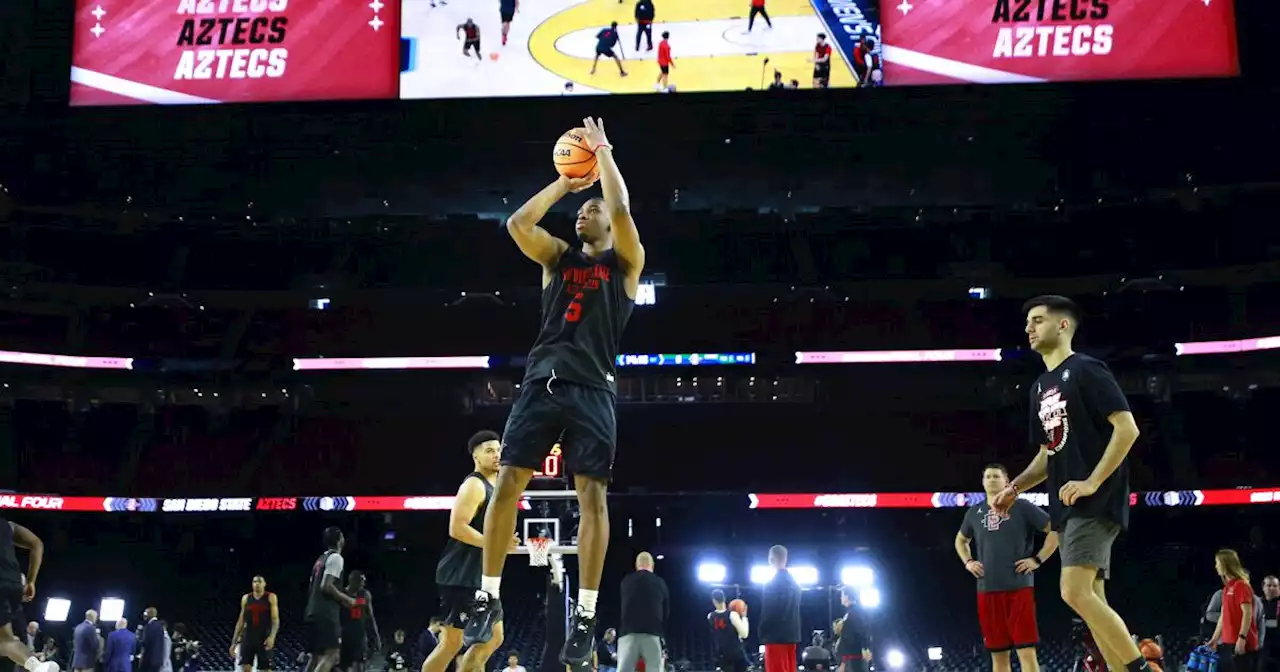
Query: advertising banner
x=175 y=52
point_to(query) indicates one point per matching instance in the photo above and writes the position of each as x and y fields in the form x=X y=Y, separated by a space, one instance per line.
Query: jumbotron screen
x=174 y=52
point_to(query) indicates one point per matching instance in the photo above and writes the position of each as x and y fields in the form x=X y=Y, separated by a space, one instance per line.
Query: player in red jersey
x=472 y=33
x=757 y=8
x=665 y=62
x=821 y=62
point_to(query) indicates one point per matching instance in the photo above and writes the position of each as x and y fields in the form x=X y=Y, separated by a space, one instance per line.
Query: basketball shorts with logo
x=455 y=604
x=254 y=652
x=1087 y=542
x=323 y=634
x=582 y=419
x=1008 y=619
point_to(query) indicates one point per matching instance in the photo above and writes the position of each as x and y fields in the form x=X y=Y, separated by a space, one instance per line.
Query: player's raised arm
x=626 y=238
x=534 y=241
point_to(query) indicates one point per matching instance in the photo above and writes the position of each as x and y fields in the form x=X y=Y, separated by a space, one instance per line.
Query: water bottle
x=1213 y=660
x=1196 y=661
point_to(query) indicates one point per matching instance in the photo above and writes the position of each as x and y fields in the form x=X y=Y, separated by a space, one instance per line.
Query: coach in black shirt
x=780 y=621
x=646 y=606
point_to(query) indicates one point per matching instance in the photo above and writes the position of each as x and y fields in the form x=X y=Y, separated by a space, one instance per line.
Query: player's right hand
x=29 y=591
x=579 y=184
x=975 y=568
x=232 y=652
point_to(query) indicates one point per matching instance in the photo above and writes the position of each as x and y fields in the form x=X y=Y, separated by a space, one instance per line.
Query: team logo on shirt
x=992 y=519
x=1053 y=418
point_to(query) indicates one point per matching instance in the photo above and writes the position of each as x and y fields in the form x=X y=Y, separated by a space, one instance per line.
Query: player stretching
x=728 y=629
x=1082 y=422
x=256 y=628
x=458 y=571
x=16 y=588
x=1006 y=596
x=570 y=383
x=324 y=599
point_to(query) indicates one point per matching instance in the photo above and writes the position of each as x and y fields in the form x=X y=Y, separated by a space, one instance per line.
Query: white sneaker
x=47 y=666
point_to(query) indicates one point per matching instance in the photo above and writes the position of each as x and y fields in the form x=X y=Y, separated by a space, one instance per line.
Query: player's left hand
x=270 y=643
x=595 y=132
x=29 y=591
x=1240 y=647
x=1026 y=565
x=1074 y=490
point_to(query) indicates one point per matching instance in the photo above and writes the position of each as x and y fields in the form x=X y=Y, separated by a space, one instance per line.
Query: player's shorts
x=822 y=71
x=455 y=604
x=508 y=14
x=1086 y=542
x=11 y=607
x=607 y=53
x=1008 y=619
x=733 y=661
x=855 y=663
x=583 y=419
x=254 y=653
x=323 y=635
x=471 y=44
x=666 y=69
x=354 y=650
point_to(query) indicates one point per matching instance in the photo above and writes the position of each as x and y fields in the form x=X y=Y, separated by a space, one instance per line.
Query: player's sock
x=1138 y=665
x=587 y=601
x=490 y=584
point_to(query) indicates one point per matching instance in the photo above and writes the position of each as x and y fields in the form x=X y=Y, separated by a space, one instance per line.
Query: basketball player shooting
x=728 y=628
x=458 y=570
x=16 y=588
x=570 y=382
x=256 y=629
x=1081 y=420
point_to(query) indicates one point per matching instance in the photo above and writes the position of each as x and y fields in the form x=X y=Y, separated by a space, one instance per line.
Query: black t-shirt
x=354 y=626
x=1070 y=407
x=459 y=564
x=584 y=310
x=853 y=634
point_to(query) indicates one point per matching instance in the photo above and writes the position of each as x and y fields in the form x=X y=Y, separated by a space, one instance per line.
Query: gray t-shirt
x=319 y=605
x=1001 y=540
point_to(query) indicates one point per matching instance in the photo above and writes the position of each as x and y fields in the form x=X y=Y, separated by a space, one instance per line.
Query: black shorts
x=11 y=608
x=822 y=71
x=583 y=419
x=734 y=661
x=455 y=604
x=607 y=53
x=255 y=652
x=354 y=650
x=471 y=44
x=508 y=14
x=322 y=635
x=666 y=69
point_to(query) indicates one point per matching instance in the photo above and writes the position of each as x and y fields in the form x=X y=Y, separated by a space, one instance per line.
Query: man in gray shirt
x=1004 y=566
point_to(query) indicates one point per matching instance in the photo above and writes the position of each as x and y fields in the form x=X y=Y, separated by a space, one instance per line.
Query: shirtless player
x=570 y=383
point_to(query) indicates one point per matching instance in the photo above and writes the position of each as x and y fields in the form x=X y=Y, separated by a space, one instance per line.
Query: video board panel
x=176 y=52
x=561 y=47
x=1036 y=41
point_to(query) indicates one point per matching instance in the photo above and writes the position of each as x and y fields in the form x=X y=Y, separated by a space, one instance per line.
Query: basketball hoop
x=539 y=551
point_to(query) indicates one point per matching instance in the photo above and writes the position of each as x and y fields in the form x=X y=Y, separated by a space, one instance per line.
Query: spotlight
x=935 y=653
x=869 y=598
x=895 y=659
x=805 y=576
x=111 y=610
x=56 y=610
x=857 y=576
x=712 y=572
x=762 y=573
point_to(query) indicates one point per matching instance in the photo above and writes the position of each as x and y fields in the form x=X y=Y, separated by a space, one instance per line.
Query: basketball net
x=539 y=551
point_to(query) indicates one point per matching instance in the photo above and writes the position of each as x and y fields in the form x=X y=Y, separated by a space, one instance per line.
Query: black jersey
x=321 y=607
x=353 y=619
x=257 y=617
x=10 y=572
x=460 y=564
x=723 y=635
x=584 y=310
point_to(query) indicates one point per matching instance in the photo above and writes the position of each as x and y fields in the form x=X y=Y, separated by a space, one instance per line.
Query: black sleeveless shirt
x=257 y=617
x=584 y=310
x=460 y=564
x=10 y=572
x=724 y=635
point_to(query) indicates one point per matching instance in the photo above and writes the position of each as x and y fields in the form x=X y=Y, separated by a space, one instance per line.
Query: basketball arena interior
x=225 y=328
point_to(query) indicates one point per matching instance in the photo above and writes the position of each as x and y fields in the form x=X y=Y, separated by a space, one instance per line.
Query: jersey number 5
x=574 y=312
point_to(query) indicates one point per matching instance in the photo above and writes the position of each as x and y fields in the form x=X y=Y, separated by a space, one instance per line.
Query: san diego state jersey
x=585 y=307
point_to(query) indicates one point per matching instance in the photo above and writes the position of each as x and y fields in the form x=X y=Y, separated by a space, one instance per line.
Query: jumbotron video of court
x=617 y=335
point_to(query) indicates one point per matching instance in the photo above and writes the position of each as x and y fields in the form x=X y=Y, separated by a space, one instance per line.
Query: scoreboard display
x=552 y=465
x=181 y=52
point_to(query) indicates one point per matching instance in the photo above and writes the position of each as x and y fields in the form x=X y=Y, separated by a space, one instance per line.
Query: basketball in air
x=739 y=606
x=1150 y=649
x=573 y=156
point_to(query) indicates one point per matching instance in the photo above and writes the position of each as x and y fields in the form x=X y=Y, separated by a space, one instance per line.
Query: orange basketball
x=739 y=606
x=572 y=156
x=1150 y=649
